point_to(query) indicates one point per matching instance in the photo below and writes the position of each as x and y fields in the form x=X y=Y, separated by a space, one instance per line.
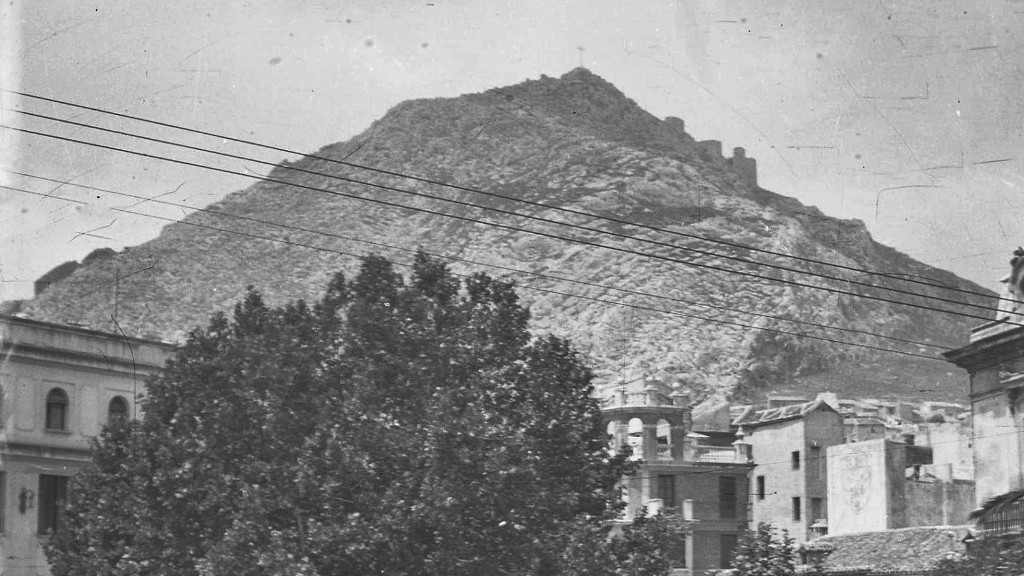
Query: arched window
x=56 y=410
x=612 y=429
x=635 y=428
x=664 y=436
x=117 y=410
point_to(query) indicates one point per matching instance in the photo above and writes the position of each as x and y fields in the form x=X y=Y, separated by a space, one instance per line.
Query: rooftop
x=752 y=417
x=904 y=550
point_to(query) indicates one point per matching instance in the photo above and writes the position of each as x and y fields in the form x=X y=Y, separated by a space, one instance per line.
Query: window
x=727 y=545
x=760 y=488
x=664 y=438
x=56 y=410
x=796 y=459
x=53 y=491
x=635 y=428
x=727 y=497
x=667 y=491
x=817 y=509
x=117 y=410
x=796 y=509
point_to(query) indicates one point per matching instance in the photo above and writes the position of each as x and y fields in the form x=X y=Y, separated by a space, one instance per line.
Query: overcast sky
x=906 y=115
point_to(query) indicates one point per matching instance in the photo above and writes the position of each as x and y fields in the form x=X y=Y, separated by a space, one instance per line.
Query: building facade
x=790 y=487
x=878 y=485
x=994 y=361
x=60 y=385
x=680 y=473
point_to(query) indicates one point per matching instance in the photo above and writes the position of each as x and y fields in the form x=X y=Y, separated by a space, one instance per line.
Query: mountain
x=576 y=143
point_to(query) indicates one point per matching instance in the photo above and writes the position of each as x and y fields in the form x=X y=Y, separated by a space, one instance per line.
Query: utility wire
x=719 y=467
x=467 y=261
x=344 y=162
x=534 y=288
x=505 y=226
x=521 y=215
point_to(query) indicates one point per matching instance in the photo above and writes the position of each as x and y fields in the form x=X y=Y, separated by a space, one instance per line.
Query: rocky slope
x=573 y=142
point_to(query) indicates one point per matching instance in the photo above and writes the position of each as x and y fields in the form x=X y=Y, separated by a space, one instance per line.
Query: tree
x=990 y=556
x=640 y=550
x=761 y=552
x=393 y=427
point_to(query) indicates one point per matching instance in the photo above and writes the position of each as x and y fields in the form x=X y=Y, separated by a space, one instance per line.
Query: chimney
x=742 y=447
x=830 y=398
x=679 y=396
x=652 y=394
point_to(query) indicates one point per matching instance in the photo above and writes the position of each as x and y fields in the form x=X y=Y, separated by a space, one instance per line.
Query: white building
x=60 y=385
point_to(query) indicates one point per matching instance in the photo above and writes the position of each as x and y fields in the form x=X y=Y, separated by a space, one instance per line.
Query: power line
x=534 y=288
x=739 y=466
x=341 y=252
x=530 y=217
x=344 y=162
x=302 y=245
x=505 y=226
x=473 y=262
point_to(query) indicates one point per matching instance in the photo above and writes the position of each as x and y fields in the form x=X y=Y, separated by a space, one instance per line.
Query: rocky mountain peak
x=654 y=304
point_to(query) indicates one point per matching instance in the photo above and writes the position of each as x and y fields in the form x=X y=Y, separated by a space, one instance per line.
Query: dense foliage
x=992 y=556
x=763 y=552
x=391 y=428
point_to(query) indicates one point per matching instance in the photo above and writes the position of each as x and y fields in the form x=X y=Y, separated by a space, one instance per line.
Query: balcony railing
x=636 y=399
x=715 y=454
x=1008 y=519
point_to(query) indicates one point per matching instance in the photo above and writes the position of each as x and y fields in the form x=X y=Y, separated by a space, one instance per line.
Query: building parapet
x=717 y=454
x=81 y=347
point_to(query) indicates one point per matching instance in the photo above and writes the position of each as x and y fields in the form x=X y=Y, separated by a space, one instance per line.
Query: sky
x=906 y=115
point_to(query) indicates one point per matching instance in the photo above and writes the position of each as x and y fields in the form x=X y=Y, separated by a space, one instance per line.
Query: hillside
x=571 y=142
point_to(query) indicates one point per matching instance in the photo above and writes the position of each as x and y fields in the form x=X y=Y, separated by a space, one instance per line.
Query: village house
x=680 y=471
x=879 y=485
x=60 y=385
x=789 y=444
x=994 y=361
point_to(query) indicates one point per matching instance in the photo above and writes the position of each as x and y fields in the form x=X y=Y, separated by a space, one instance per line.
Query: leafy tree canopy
x=764 y=552
x=395 y=427
x=988 y=556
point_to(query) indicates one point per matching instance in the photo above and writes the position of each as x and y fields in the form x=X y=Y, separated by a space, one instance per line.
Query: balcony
x=1007 y=518
x=638 y=398
x=715 y=454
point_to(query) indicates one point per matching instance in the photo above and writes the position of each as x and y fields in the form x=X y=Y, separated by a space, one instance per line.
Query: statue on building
x=1011 y=303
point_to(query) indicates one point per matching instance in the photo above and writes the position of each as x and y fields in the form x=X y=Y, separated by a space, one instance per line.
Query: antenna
x=580 y=49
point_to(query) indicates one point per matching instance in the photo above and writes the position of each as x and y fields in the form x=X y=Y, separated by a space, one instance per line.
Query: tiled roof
x=756 y=418
x=904 y=550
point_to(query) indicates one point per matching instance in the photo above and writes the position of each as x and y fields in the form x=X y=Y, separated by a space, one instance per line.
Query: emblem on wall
x=856 y=480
